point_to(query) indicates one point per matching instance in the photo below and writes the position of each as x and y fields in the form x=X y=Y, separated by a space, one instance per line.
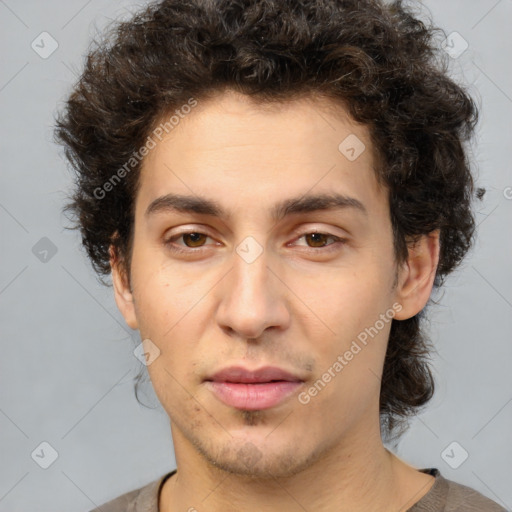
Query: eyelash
x=190 y=250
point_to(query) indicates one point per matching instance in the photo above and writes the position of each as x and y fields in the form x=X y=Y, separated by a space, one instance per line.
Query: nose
x=253 y=298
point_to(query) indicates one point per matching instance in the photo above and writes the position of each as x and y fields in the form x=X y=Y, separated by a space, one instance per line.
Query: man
x=276 y=187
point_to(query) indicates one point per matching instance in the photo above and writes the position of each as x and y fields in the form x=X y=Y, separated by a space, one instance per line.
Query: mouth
x=248 y=390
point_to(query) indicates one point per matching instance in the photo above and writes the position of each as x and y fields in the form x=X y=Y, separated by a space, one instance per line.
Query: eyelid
x=321 y=230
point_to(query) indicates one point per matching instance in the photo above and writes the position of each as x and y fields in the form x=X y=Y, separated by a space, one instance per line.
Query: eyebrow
x=303 y=204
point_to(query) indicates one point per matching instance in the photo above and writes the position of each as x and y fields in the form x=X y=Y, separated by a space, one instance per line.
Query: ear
x=417 y=275
x=122 y=290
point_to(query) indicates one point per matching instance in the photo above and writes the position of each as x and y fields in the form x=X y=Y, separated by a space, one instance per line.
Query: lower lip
x=252 y=397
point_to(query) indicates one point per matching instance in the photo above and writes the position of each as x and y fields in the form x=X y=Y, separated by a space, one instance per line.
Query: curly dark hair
x=377 y=59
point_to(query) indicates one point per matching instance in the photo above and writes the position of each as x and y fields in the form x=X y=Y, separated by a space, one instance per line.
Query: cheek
x=348 y=375
x=350 y=342
x=351 y=302
x=173 y=392
x=162 y=298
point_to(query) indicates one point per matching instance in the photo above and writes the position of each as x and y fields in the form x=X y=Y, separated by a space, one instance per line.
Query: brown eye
x=194 y=238
x=181 y=242
x=317 y=242
x=318 y=239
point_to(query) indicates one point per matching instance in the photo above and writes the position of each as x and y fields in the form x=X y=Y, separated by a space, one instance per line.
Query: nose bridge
x=250 y=278
x=252 y=299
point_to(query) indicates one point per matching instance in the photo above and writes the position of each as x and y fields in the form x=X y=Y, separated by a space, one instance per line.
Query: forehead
x=232 y=146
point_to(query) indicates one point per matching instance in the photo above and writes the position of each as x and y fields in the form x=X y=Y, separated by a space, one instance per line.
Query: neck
x=359 y=474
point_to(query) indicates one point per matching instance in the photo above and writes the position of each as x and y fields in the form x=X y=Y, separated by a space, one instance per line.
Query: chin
x=261 y=460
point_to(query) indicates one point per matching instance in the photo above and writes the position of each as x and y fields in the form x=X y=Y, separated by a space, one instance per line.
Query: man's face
x=252 y=290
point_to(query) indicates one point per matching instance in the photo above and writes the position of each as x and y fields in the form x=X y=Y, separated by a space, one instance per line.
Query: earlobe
x=417 y=275
x=122 y=292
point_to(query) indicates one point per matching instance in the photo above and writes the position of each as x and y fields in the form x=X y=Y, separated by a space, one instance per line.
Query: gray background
x=67 y=365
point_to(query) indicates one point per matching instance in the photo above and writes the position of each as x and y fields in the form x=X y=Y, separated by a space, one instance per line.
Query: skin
x=298 y=306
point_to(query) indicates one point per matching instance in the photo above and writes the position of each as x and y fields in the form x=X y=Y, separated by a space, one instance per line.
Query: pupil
x=314 y=235
x=194 y=236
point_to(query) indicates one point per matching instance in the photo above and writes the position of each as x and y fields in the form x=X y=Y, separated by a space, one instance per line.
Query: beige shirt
x=443 y=496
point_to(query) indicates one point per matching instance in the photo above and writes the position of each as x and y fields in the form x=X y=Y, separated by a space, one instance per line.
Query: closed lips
x=238 y=374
